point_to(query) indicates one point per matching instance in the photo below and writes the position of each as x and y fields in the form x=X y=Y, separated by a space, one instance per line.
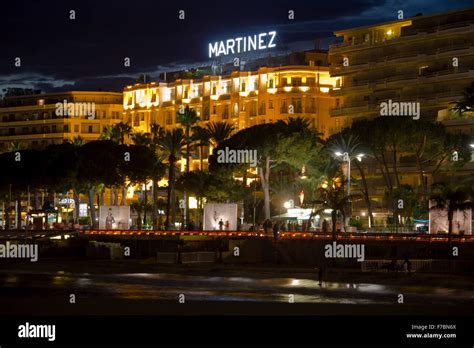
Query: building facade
x=35 y=121
x=242 y=99
x=425 y=59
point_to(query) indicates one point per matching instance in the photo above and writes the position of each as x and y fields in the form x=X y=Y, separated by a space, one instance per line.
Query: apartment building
x=425 y=59
x=38 y=120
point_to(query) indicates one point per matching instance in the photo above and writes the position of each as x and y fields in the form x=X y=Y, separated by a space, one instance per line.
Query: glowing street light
x=346 y=158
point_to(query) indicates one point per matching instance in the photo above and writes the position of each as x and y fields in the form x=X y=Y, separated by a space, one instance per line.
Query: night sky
x=88 y=53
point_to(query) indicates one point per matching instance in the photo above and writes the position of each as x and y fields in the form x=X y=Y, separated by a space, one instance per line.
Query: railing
x=353 y=236
x=363 y=236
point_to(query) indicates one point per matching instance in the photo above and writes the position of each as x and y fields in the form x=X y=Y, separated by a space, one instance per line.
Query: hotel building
x=243 y=98
x=425 y=59
x=32 y=121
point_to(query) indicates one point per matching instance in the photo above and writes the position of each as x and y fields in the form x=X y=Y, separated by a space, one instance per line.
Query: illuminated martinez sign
x=242 y=44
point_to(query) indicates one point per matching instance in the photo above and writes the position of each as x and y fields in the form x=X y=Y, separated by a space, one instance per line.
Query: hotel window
x=169 y=118
x=66 y=128
x=283 y=108
x=338 y=103
x=310 y=81
x=261 y=109
x=311 y=63
x=214 y=89
x=270 y=104
x=214 y=109
x=253 y=108
x=242 y=107
x=235 y=111
x=34 y=143
x=90 y=129
x=270 y=83
x=296 y=102
x=76 y=128
x=225 y=114
x=25 y=130
x=54 y=129
x=243 y=87
x=296 y=81
x=310 y=105
x=366 y=37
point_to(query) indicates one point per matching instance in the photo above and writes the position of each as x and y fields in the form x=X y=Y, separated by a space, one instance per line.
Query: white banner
x=220 y=217
x=114 y=217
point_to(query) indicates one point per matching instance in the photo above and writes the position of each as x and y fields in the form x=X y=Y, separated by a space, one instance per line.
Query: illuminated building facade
x=425 y=59
x=38 y=120
x=243 y=99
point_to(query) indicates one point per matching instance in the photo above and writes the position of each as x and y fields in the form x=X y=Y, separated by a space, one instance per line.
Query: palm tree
x=187 y=118
x=124 y=130
x=333 y=196
x=219 y=131
x=156 y=132
x=451 y=197
x=117 y=132
x=141 y=138
x=15 y=146
x=173 y=144
x=107 y=133
x=200 y=138
x=139 y=208
x=466 y=104
x=78 y=141
x=196 y=182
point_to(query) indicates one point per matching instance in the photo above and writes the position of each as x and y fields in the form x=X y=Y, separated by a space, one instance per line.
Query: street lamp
x=346 y=158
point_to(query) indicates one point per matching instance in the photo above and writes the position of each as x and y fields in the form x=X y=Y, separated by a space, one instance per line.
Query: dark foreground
x=142 y=288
